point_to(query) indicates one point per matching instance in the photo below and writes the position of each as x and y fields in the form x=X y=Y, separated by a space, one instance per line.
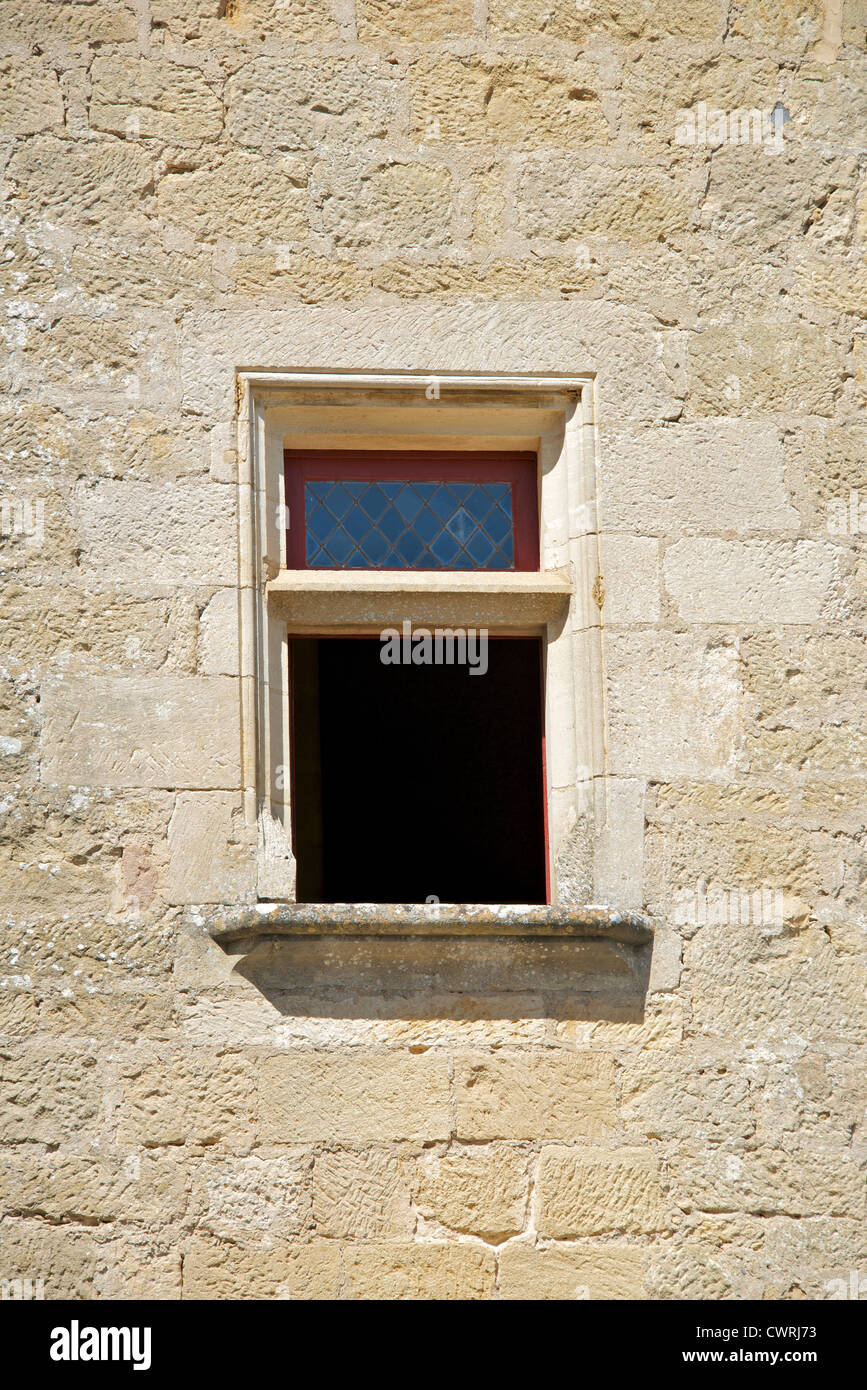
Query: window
x=304 y=595
x=412 y=780
x=362 y=509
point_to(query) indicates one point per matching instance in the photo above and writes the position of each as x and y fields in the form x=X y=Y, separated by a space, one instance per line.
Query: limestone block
x=630 y=571
x=153 y=98
x=88 y=1189
x=255 y=1269
x=149 y=731
x=51 y=25
x=585 y=1192
x=356 y=1095
x=211 y=854
x=19 y=1013
x=30 y=98
x=244 y=197
x=141 y=1264
x=674 y=705
x=158 y=534
x=716 y=475
x=65 y=1258
x=704 y=1093
x=658 y=1024
x=218 y=635
x=82 y=182
x=192 y=1100
x=479 y=1191
x=563 y=19
x=557 y=1095
x=559 y=198
x=581 y=1271
x=618 y=854
x=362 y=1195
x=764 y=985
x=124 y=1013
x=48 y=1097
x=518 y=103
x=763 y=368
x=419 y=1270
x=415 y=21
x=769 y=1182
x=255 y=1195
x=720 y=581
x=788 y=24
x=384 y=205
x=788 y=190
x=275 y=104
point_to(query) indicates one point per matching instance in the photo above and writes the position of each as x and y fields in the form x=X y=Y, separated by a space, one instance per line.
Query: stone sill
x=315 y=599
x=245 y=927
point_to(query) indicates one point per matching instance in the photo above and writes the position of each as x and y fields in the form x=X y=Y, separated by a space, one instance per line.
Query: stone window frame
x=594 y=837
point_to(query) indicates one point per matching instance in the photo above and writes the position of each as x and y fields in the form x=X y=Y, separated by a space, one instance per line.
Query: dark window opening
x=417 y=781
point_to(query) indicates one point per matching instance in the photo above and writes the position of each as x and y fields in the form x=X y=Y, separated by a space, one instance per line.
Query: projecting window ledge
x=323 y=597
x=245 y=927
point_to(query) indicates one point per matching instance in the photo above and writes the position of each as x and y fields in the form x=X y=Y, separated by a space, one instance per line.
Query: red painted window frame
x=439 y=466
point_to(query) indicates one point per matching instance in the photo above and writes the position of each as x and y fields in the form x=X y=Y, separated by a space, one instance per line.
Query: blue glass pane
x=338 y=501
x=498 y=526
x=480 y=548
x=408 y=503
x=461 y=526
x=443 y=502
x=394 y=524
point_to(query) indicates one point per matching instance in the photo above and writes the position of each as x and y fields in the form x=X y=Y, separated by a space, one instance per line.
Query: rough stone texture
x=353 y=1096
x=477 y=1191
x=585 y=1192
x=541 y=1096
x=141 y=732
x=567 y=1271
x=190 y=186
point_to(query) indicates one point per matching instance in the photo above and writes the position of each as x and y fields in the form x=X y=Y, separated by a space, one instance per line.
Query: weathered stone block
x=763 y=368
x=155 y=535
x=674 y=704
x=630 y=572
x=354 y=1095
x=622 y=19
x=415 y=21
x=421 y=1270
x=556 y=1095
x=719 y=581
x=211 y=854
x=47 y=1097
x=563 y=199
x=65 y=1258
x=244 y=197
x=719 y=474
x=362 y=1195
x=586 y=1192
x=477 y=1191
x=253 y=1194
x=252 y=1269
x=218 y=635
x=152 y=731
x=30 y=98
x=579 y=1271
x=275 y=104
x=153 y=98
x=189 y=1101
x=519 y=103
x=384 y=205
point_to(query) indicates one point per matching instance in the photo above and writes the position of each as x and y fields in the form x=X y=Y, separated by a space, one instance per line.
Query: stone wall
x=193 y=185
